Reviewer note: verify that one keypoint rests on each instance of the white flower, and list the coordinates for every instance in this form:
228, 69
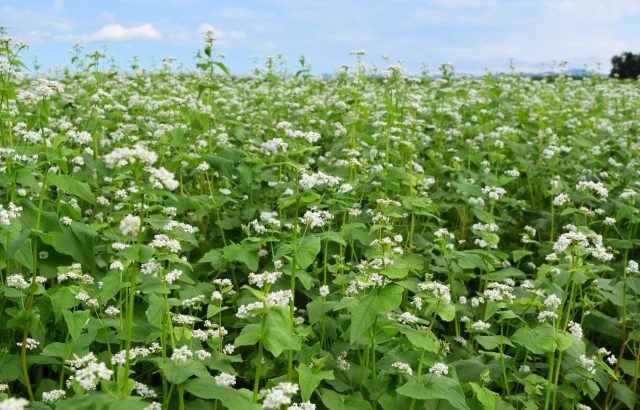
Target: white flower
279, 298
225, 379
315, 218
245, 311
308, 181
498, 292
552, 301
480, 325
494, 192
53, 395
181, 354
112, 311
441, 293
163, 241
439, 369
13, 403
546, 314
309, 136
588, 363
575, 329
597, 187
203, 354
120, 157
279, 395
203, 167
632, 267
561, 199
184, 319
274, 146
18, 281
324, 291
344, 188
160, 177
628, 194
130, 224
89, 376
145, 391
259, 280
7, 216
402, 367
32, 344
307, 405
407, 318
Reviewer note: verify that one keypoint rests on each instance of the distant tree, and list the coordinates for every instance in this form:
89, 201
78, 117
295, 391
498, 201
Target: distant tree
626, 65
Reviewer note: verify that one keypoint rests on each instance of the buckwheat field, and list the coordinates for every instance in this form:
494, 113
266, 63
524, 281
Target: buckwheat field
190, 239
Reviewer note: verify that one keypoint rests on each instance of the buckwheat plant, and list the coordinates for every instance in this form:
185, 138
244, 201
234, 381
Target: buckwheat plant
177, 239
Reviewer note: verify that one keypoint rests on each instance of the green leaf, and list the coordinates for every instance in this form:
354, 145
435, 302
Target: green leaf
519, 254
447, 312
178, 373
101, 401
223, 67
10, 367
434, 387
335, 401
278, 336
20, 250
365, 313
310, 379
62, 299
317, 309
249, 335
538, 340
423, 339
214, 257
491, 342
468, 260
485, 396
77, 241
75, 321
246, 253
564, 341
308, 249
156, 310
55, 349
624, 394
111, 285
205, 387
72, 186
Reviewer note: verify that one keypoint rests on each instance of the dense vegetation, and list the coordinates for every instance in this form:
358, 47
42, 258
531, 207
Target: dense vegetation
626, 65
369, 241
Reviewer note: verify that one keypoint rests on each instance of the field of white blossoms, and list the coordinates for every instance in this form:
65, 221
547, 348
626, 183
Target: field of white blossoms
178, 239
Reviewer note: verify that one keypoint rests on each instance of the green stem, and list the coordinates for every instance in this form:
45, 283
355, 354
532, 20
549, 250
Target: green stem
32, 289
256, 381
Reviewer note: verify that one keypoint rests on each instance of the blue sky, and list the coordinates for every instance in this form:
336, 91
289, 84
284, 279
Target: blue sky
474, 35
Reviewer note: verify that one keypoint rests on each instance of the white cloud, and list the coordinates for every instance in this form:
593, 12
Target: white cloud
58, 5
117, 32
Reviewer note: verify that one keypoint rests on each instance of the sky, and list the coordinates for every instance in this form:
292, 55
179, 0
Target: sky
474, 35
